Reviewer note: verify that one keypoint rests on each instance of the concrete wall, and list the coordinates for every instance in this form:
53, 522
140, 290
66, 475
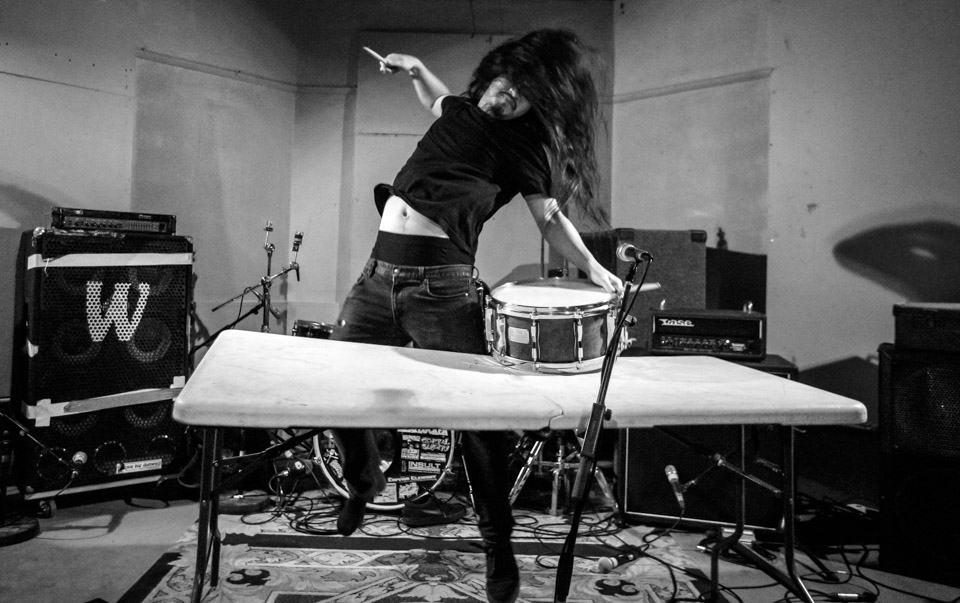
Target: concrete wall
226, 113
824, 134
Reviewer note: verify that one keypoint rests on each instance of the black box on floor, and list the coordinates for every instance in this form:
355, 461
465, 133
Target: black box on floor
646, 495
919, 463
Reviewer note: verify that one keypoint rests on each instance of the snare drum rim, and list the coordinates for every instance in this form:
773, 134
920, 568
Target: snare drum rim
301, 326
312, 323
535, 366
547, 312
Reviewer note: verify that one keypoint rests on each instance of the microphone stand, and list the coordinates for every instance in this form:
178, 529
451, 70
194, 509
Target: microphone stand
240, 502
16, 527
588, 450
264, 297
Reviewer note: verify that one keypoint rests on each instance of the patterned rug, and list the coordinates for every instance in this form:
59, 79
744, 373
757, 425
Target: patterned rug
294, 556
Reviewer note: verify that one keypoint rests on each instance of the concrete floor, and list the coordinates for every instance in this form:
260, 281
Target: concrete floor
94, 550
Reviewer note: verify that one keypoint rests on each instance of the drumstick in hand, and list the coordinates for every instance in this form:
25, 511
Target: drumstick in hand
385, 67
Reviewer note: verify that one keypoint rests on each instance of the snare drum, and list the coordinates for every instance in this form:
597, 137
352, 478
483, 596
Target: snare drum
551, 324
316, 330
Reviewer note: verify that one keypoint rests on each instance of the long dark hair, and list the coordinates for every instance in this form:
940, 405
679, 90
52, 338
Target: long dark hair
553, 70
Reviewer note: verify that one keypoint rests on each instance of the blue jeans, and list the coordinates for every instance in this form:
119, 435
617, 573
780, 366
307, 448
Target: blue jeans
436, 308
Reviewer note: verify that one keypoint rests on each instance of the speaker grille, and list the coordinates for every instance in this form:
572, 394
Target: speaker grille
99, 314
920, 461
920, 403
130, 443
103, 329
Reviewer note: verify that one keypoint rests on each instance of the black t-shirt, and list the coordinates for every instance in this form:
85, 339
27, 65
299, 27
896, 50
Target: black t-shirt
468, 165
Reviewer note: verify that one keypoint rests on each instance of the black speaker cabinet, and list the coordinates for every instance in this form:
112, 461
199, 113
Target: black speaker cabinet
711, 490
100, 351
679, 265
920, 464
736, 280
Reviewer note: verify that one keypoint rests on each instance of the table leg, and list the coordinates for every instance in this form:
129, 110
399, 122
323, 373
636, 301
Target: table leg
207, 524
790, 514
215, 535
211, 484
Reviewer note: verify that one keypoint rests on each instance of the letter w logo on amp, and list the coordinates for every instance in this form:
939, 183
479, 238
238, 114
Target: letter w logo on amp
116, 312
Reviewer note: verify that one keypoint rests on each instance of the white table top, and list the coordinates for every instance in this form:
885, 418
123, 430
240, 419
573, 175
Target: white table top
250, 379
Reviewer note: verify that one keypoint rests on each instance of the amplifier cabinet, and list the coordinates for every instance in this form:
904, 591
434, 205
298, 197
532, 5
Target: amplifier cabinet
69, 218
722, 333
711, 491
919, 463
100, 352
927, 327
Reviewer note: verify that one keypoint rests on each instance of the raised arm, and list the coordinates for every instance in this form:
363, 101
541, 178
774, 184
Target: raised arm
563, 236
428, 86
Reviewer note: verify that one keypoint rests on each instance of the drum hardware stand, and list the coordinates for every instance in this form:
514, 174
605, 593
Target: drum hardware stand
559, 467
241, 501
598, 415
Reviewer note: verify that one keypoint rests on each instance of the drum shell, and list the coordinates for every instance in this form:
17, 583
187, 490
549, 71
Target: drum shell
559, 336
567, 338
314, 330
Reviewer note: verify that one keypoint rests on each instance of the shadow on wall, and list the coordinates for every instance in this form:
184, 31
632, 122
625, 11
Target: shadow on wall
919, 260
856, 378
20, 210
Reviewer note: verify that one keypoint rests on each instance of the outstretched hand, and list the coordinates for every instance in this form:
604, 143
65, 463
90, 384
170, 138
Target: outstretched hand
396, 62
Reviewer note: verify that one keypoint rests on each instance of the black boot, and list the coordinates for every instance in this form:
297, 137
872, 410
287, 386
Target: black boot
351, 515
503, 575
427, 510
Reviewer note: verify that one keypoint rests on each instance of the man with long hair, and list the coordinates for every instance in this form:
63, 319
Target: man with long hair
525, 127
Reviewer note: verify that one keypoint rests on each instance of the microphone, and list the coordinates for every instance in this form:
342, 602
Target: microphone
864, 596
78, 459
629, 253
297, 240
606, 564
674, 480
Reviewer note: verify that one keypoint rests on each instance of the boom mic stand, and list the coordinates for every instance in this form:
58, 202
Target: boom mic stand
598, 415
720, 460
240, 502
